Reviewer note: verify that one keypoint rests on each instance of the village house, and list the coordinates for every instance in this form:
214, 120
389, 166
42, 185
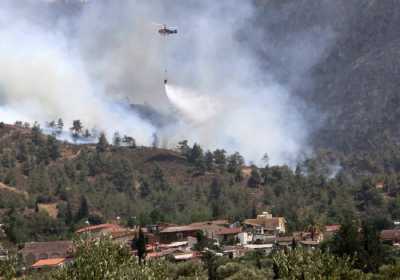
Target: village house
264, 248
391, 236
265, 224
313, 234
35, 251
177, 233
156, 228
331, 230
175, 251
283, 242
180, 233
234, 251
228, 235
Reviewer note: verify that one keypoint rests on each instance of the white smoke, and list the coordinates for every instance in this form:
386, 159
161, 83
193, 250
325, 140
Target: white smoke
43, 78
83, 64
241, 123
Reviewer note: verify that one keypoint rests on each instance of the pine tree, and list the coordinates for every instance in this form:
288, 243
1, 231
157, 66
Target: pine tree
215, 190
235, 162
83, 211
36, 134
183, 148
209, 160
156, 141
68, 215
196, 154
255, 178
117, 139
76, 129
220, 159
60, 126
53, 147
139, 244
87, 134
102, 145
129, 141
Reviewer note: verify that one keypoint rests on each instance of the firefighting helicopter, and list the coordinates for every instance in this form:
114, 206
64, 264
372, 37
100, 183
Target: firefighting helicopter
166, 32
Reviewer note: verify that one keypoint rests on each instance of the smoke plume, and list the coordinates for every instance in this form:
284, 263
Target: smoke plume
89, 60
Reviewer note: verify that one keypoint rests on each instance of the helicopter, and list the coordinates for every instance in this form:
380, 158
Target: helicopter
165, 31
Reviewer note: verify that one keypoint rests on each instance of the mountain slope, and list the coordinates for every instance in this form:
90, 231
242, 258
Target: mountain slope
353, 85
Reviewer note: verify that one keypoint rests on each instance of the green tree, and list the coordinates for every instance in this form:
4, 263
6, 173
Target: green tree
102, 259
144, 188
183, 148
122, 175
36, 134
158, 179
117, 139
76, 129
156, 141
53, 147
196, 155
83, 211
16, 227
302, 264
60, 126
374, 254
255, 178
8, 268
201, 241
139, 244
210, 262
220, 158
215, 190
129, 141
209, 161
235, 162
87, 134
102, 144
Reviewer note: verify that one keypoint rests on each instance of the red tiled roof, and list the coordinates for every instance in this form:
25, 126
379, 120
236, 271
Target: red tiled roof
390, 235
332, 228
48, 262
208, 226
180, 229
270, 223
110, 227
227, 231
214, 223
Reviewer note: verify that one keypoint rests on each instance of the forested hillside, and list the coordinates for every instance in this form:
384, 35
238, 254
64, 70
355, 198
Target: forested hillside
48, 188
348, 93
353, 85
